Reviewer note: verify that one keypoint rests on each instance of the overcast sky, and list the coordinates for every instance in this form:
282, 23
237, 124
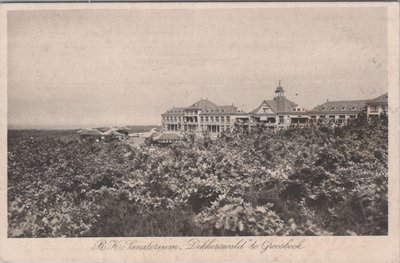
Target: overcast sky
126, 67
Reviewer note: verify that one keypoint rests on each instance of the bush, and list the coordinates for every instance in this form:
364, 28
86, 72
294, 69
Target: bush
311, 181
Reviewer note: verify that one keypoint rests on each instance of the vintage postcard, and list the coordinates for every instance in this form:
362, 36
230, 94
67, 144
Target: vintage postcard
199, 132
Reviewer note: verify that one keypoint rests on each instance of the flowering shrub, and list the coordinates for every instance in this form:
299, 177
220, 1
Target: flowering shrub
311, 181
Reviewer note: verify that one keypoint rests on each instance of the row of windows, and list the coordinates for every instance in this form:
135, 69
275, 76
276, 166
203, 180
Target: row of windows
202, 118
227, 118
203, 127
221, 110
340, 108
216, 118
194, 112
375, 108
191, 112
172, 118
313, 117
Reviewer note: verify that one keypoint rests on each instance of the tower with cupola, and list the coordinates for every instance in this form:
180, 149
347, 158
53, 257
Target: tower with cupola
279, 92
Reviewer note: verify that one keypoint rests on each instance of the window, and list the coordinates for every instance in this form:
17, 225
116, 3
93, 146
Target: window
206, 118
228, 118
265, 109
201, 118
217, 119
281, 119
374, 109
211, 118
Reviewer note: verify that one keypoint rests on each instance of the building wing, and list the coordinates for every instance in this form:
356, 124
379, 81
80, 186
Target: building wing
340, 107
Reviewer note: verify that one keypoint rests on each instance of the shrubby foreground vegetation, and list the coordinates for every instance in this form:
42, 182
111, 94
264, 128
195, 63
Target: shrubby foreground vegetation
311, 181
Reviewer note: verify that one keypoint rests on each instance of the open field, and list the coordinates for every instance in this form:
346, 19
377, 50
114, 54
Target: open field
312, 181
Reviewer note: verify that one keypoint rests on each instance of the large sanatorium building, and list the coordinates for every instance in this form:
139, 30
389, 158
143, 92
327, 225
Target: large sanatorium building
278, 113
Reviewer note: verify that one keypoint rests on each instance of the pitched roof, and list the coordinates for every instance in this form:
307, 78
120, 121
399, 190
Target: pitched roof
203, 104
112, 131
383, 99
175, 111
342, 106
151, 134
206, 107
91, 132
278, 105
123, 128
221, 110
167, 136
103, 129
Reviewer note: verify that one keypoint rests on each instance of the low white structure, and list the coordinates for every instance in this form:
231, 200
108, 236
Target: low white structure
377, 106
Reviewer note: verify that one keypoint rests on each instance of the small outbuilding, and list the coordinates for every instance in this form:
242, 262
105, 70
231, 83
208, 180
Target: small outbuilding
124, 130
166, 138
112, 134
91, 135
149, 136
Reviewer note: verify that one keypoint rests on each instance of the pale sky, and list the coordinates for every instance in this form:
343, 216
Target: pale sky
69, 69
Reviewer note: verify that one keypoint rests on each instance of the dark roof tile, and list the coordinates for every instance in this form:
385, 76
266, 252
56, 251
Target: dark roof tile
381, 100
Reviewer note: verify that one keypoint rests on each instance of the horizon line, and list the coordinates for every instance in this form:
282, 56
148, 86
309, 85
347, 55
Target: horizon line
61, 127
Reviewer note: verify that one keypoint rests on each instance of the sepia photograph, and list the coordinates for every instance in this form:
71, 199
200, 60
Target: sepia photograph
198, 122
